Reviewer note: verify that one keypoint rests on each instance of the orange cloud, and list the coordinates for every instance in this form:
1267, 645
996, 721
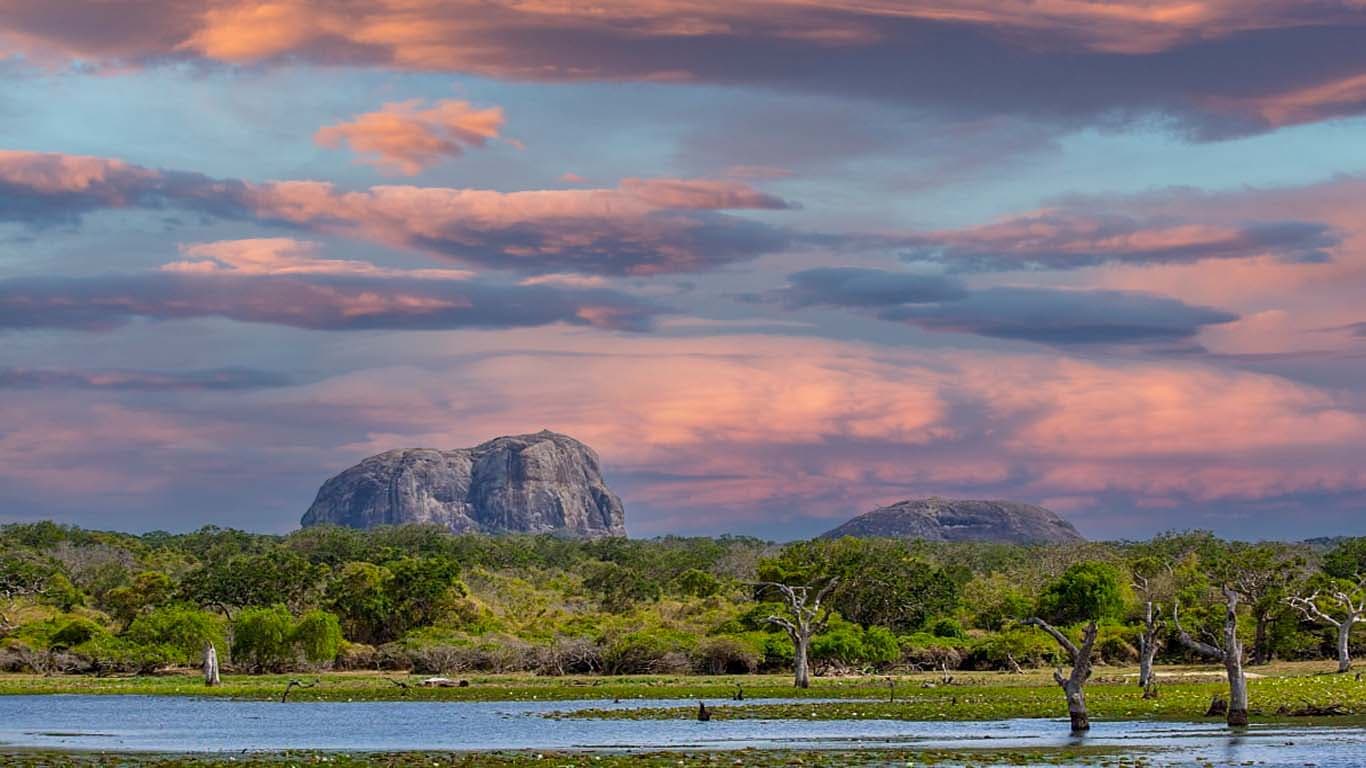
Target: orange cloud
825, 428
406, 138
287, 256
641, 227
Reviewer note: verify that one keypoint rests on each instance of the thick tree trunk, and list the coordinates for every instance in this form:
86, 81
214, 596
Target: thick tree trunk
1233, 663
1345, 646
211, 666
1237, 691
800, 665
1076, 706
1147, 648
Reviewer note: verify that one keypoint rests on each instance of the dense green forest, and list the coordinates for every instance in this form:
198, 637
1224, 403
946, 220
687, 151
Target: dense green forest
418, 598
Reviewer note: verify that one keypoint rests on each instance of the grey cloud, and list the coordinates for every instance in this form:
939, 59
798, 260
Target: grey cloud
317, 303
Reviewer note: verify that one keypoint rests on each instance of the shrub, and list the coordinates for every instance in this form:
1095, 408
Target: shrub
696, 583
317, 635
107, 654
645, 652
261, 638
727, 655
1027, 647
925, 651
778, 651
880, 647
74, 632
570, 656
184, 630
356, 656
841, 646
947, 627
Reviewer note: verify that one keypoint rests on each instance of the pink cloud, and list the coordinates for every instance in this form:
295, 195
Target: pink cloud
640, 227
1019, 56
287, 256
404, 137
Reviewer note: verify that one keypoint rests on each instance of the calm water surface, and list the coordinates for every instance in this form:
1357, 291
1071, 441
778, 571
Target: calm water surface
149, 723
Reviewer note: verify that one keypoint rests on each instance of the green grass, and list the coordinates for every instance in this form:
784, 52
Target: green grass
1110, 696
1110, 757
371, 686
973, 696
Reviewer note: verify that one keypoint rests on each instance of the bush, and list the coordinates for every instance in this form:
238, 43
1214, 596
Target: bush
925, 651
261, 638
1117, 644
841, 646
880, 647
317, 635
570, 656
74, 632
696, 583
727, 655
1027, 647
948, 628
646, 652
116, 655
356, 656
778, 652
184, 630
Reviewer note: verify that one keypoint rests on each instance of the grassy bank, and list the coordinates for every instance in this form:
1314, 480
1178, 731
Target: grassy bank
1277, 692
1079, 755
371, 686
1112, 694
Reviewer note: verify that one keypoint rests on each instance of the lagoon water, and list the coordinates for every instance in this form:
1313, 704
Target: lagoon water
175, 724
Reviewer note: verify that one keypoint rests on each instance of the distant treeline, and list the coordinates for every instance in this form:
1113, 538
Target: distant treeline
419, 598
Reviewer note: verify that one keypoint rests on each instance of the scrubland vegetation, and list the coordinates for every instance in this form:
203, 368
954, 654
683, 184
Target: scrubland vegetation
420, 600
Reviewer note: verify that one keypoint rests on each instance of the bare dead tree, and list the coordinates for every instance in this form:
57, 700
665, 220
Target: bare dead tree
806, 617
1229, 652
1074, 684
1148, 642
1351, 606
211, 666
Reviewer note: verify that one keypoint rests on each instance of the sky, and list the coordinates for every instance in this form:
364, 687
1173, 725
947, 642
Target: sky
777, 261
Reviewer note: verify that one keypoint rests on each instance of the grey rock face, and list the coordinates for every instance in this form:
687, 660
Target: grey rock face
960, 520
541, 483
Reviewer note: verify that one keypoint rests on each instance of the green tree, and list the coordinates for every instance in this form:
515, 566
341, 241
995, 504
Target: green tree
182, 628
261, 638
318, 636
619, 589
1086, 591
360, 596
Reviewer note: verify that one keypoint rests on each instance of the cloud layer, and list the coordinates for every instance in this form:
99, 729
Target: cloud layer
1049, 316
406, 137
1219, 66
641, 227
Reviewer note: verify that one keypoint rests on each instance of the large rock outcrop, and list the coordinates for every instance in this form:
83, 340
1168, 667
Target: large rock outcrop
960, 520
541, 483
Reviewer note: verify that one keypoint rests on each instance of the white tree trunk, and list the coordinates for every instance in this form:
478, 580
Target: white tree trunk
801, 666
1147, 647
211, 666
1345, 645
